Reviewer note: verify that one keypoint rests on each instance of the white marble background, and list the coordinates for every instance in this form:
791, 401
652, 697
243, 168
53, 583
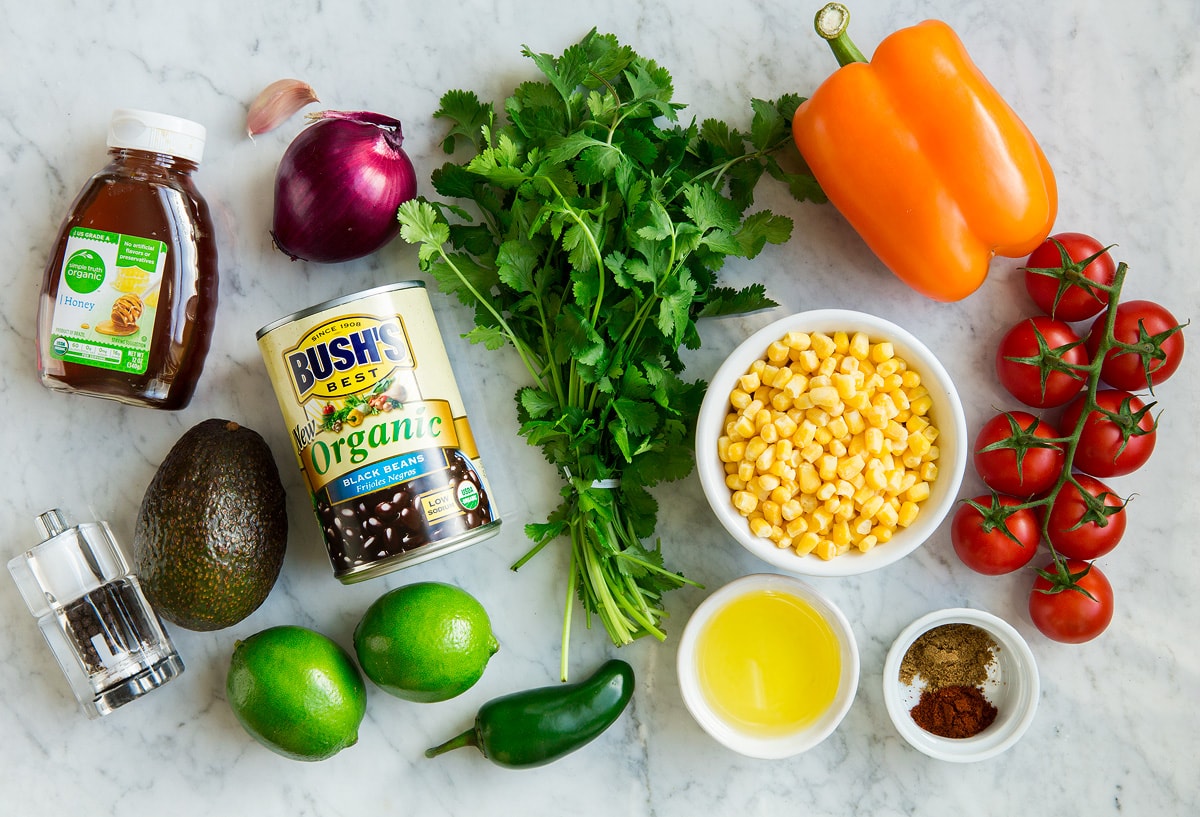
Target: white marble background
1113, 93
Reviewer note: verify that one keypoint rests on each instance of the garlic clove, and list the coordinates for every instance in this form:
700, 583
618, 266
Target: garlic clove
276, 103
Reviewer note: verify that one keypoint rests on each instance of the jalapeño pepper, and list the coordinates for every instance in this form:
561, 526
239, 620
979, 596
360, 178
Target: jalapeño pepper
537, 726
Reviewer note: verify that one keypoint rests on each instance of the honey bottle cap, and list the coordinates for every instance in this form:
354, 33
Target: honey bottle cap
133, 129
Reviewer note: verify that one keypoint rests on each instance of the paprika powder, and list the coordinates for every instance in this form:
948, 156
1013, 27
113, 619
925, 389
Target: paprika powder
922, 156
954, 711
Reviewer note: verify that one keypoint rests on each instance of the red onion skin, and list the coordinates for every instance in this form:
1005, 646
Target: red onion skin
338, 186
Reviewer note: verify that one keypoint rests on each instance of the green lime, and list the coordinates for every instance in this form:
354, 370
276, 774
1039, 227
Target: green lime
296, 692
425, 642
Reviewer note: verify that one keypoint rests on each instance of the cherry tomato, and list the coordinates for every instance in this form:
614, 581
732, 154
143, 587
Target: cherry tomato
1108, 446
980, 541
1074, 526
1068, 615
1012, 455
1075, 302
1149, 326
1053, 347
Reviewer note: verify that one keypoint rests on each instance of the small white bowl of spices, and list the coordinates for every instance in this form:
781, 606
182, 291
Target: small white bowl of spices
960, 685
831, 443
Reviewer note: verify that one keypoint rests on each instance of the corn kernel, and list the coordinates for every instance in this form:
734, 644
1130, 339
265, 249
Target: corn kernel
765, 459
928, 471
746, 470
749, 382
822, 344
866, 543
777, 352
771, 512
760, 528
807, 543
827, 490
908, 514
808, 360
808, 478
786, 426
920, 406
872, 506
796, 527
919, 492
827, 466
764, 482
790, 510
768, 433
825, 549
840, 534
887, 367
851, 466
744, 427
895, 431
819, 417
820, 519
916, 425
797, 340
745, 502
887, 516
737, 451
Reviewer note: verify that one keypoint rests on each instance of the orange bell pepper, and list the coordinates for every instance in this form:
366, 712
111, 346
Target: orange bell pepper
924, 158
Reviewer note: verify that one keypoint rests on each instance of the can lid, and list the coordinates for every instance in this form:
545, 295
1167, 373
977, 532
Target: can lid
132, 129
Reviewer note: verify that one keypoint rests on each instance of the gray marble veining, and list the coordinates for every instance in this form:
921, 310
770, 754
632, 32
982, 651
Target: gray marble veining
1115, 103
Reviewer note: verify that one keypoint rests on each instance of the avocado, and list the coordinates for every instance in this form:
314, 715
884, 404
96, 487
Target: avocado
212, 529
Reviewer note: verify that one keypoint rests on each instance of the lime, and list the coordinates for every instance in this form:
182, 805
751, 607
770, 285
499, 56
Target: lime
296, 692
425, 642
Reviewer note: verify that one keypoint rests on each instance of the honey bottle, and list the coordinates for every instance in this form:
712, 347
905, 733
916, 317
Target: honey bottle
129, 295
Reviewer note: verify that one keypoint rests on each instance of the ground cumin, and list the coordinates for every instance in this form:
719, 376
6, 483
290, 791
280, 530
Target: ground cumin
951, 664
949, 655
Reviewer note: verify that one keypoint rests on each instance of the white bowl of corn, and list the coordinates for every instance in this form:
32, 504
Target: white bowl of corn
831, 443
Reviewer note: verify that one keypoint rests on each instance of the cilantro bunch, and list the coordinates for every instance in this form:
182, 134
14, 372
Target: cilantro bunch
596, 225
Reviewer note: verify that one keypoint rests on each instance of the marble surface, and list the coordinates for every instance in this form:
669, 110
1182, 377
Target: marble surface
1116, 105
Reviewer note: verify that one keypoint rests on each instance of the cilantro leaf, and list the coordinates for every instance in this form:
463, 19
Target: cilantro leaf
586, 229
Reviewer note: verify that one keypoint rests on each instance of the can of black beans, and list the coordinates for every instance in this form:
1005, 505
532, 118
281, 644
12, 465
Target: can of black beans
379, 430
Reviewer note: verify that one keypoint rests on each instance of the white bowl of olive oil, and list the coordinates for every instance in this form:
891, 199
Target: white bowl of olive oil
768, 666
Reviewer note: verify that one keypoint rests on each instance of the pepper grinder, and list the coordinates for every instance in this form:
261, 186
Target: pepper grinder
109, 642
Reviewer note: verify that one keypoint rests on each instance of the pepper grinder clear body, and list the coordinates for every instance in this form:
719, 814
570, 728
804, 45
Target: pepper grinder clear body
109, 642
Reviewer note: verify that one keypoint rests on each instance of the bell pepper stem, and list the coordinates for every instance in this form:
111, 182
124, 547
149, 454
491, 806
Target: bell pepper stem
467, 738
831, 23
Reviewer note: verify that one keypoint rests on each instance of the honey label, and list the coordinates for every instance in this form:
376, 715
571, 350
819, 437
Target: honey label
107, 300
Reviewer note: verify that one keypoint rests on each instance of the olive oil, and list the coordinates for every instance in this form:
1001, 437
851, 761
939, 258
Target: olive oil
768, 663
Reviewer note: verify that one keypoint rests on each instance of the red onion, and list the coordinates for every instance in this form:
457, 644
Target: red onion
338, 186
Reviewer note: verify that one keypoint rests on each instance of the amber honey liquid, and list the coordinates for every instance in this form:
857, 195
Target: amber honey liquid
768, 663
152, 197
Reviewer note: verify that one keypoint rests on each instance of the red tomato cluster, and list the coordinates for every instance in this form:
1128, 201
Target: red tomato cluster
1046, 363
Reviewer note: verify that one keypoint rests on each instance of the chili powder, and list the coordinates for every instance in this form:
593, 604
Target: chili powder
954, 711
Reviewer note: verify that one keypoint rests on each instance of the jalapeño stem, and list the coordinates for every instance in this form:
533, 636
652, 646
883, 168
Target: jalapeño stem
831, 23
